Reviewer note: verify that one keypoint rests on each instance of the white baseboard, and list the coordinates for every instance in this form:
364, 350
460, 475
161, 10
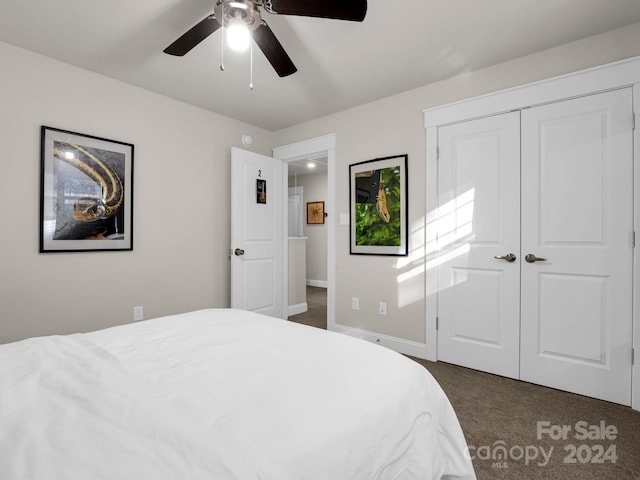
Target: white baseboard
298, 308
400, 345
317, 283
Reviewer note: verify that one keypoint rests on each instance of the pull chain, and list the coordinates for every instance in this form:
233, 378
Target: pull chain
251, 59
222, 42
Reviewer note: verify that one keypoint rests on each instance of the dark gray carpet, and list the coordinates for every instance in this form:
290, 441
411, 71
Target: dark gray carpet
500, 416
316, 315
496, 411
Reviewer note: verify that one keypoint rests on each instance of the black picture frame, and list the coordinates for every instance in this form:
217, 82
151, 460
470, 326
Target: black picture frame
86, 192
261, 191
315, 213
379, 214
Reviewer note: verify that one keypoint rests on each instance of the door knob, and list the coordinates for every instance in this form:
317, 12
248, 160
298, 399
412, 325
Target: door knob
530, 258
509, 257
238, 251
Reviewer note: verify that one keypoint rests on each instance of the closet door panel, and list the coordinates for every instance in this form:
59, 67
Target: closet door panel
577, 221
478, 220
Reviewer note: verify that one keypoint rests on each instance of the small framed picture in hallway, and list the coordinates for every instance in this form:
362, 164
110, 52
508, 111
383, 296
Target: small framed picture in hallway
315, 213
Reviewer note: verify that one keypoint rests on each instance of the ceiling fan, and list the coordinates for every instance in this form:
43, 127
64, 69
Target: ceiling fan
246, 14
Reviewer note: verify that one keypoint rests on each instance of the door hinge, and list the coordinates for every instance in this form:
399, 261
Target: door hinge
633, 239
633, 356
437, 323
437, 153
633, 121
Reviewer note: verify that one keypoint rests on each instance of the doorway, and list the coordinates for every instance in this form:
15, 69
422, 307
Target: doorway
308, 186
320, 150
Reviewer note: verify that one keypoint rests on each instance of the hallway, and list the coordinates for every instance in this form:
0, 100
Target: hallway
316, 315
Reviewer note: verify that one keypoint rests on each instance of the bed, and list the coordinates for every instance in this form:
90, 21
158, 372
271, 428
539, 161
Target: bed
221, 394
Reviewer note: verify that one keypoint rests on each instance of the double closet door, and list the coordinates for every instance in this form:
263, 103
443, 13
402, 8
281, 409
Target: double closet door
535, 242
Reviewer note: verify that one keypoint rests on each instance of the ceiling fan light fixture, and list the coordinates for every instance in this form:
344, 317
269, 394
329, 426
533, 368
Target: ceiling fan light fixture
238, 35
248, 12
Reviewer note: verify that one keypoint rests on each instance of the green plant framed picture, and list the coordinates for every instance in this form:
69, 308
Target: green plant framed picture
378, 206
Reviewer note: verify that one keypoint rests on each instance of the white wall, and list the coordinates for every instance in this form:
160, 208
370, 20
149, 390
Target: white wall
315, 190
181, 201
297, 275
181, 192
393, 126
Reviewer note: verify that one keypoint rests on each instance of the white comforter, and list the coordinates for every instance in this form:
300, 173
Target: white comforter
221, 394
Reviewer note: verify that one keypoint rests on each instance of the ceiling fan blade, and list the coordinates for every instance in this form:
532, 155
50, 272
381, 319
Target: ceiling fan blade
193, 37
273, 50
353, 10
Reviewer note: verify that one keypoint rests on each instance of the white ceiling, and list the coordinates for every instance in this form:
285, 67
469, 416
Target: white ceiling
300, 168
400, 45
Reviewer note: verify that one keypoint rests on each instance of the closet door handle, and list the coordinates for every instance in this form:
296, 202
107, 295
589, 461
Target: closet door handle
530, 258
238, 252
509, 257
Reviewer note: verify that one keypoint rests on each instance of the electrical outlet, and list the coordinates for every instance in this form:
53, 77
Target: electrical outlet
138, 313
355, 303
382, 308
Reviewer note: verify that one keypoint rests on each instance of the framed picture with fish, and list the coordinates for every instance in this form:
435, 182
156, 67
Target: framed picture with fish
86, 192
378, 206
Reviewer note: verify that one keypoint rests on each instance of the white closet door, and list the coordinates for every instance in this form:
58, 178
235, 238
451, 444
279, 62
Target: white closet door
577, 187
479, 220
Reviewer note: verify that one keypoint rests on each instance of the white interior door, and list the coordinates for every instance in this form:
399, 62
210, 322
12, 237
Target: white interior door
258, 204
479, 220
577, 190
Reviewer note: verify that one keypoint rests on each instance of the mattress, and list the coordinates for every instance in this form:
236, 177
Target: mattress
221, 394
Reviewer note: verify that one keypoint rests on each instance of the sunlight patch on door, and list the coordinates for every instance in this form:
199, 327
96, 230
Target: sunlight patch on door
449, 233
